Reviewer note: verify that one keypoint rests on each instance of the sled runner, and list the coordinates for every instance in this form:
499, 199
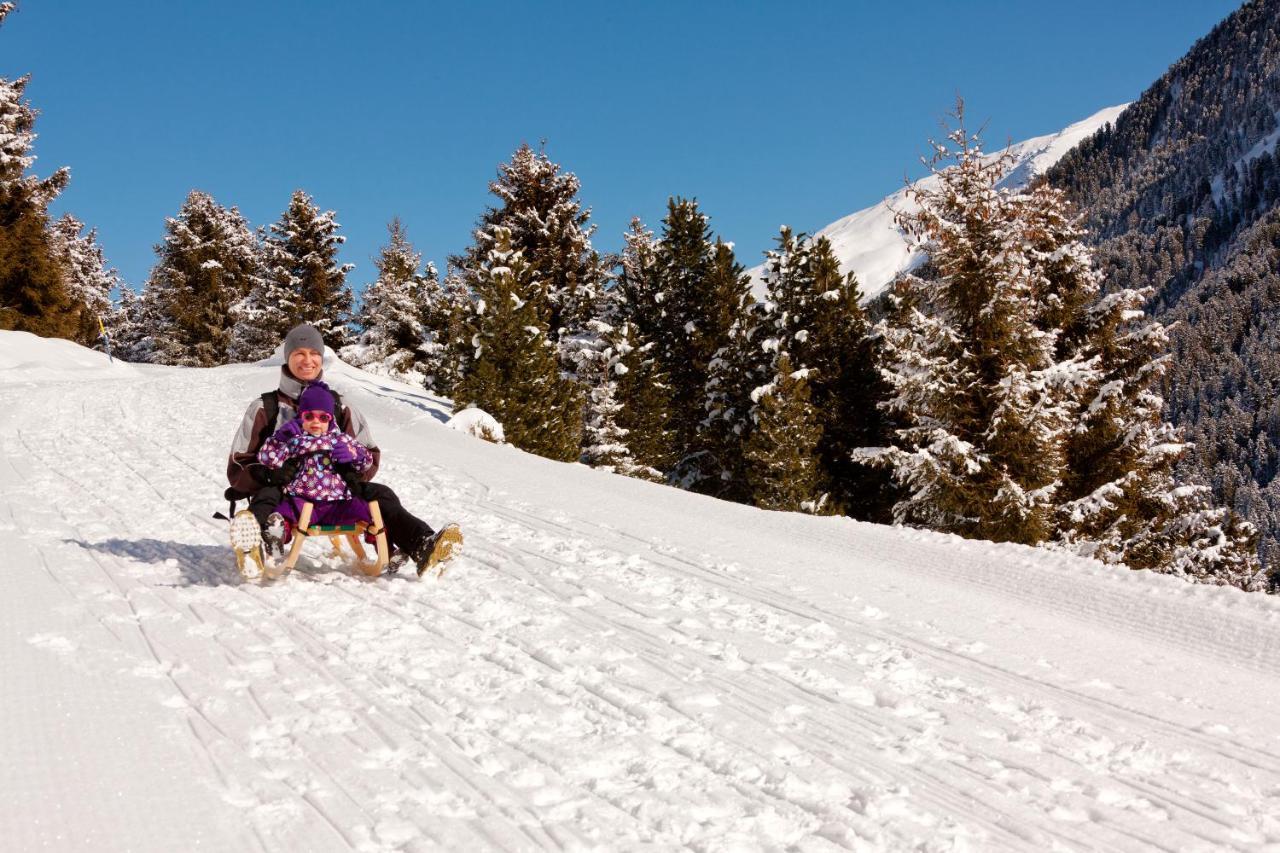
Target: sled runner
246, 542
352, 533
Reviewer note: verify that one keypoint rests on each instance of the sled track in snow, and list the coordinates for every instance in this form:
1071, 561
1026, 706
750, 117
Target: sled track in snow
580, 684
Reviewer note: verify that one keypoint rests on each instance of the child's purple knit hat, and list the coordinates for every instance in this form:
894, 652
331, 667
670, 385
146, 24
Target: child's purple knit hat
316, 397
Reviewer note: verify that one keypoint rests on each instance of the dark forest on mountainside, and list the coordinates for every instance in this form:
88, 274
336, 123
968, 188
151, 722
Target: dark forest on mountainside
1181, 194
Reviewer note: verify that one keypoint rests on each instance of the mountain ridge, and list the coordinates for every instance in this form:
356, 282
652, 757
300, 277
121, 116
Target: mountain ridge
869, 244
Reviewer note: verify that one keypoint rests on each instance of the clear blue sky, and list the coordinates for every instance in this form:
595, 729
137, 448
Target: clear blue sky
768, 113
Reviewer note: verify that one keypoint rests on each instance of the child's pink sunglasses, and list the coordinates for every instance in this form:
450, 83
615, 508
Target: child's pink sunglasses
322, 417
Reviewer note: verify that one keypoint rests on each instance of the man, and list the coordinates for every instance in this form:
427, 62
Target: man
304, 354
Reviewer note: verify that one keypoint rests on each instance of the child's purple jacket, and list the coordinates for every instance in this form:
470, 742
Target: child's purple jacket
316, 479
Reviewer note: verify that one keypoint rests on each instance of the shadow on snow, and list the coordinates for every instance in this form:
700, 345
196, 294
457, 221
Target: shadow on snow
203, 565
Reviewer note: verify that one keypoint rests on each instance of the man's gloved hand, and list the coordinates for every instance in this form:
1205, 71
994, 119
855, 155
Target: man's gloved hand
290, 429
342, 453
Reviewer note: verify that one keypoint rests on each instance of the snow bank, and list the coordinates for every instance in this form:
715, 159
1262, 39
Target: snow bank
26, 358
479, 423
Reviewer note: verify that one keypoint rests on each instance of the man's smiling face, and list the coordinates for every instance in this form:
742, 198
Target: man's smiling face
305, 364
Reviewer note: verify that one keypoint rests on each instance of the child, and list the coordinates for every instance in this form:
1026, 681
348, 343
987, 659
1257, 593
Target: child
314, 438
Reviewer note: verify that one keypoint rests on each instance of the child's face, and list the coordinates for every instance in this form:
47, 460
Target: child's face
316, 423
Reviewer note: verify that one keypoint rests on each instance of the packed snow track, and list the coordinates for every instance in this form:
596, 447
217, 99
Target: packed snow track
610, 664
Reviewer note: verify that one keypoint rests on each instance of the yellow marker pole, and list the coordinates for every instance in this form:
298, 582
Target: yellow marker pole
106, 339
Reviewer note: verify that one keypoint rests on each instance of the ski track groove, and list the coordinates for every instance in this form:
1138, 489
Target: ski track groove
987, 670
1173, 800
193, 705
939, 796
386, 713
316, 666
491, 736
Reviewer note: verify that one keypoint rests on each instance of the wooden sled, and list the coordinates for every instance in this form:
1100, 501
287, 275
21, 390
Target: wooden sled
353, 535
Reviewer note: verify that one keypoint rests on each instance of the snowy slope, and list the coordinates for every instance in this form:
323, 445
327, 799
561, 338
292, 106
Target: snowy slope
610, 665
870, 244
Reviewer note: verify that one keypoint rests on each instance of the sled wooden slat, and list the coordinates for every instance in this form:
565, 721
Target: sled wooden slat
381, 538
336, 533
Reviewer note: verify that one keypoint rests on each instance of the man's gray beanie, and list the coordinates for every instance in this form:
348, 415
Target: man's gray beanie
303, 336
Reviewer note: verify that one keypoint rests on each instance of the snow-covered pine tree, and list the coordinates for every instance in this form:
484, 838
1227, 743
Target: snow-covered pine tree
133, 326
642, 387
745, 364
644, 393
207, 262
34, 293
448, 348
728, 305
600, 369
603, 441
514, 372
300, 256
636, 285
847, 389
89, 279
1119, 500
539, 205
815, 314
393, 335
1195, 540
262, 316
699, 291
625, 396
782, 450
974, 379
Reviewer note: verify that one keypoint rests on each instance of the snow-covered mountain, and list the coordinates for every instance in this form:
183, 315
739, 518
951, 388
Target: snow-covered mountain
869, 243
610, 665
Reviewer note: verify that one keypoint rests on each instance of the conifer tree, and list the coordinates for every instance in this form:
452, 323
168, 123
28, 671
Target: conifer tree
603, 441
635, 293
133, 327
448, 346
394, 336
815, 314
300, 255
34, 293
539, 206
700, 291
207, 262
738, 371
1119, 500
643, 391
514, 373
261, 317
643, 387
783, 470
89, 280
973, 377
1070, 442
626, 397
606, 443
